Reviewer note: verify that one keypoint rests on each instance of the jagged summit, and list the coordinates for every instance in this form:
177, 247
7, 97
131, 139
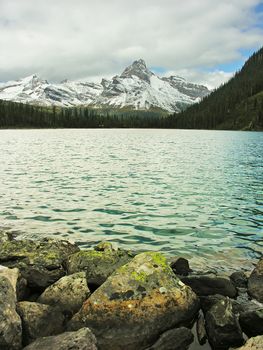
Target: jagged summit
136, 88
139, 69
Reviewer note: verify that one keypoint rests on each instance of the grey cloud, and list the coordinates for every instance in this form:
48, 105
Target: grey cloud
77, 39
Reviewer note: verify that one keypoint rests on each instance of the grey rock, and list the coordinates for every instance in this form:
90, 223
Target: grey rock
18, 283
137, 303
10, 322
239, 279
39, 320
222, 327
174, 339
83, 339
255, 282
68, 293
210, 284
200, 329
40, 262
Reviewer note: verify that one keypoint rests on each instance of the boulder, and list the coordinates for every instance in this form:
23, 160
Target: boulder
222, 327
39, 320
253, 344
209, 301
180, 266
68, 293
174, 339
83, 339
99, 263
255, 282
18, 283
251, 322
239, 279
210, 284
137, 303
40, 262
10, 322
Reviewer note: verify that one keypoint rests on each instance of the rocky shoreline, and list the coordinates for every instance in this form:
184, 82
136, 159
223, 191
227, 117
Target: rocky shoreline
55, 296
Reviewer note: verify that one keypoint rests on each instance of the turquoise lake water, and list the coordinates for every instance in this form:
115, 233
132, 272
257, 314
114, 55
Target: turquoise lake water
194, 193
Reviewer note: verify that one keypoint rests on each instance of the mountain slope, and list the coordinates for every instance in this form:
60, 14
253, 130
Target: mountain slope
136, 88
237, 105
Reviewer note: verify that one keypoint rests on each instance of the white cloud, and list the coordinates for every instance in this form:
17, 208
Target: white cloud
84, 38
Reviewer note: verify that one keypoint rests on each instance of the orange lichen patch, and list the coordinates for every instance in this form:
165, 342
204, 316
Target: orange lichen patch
150, 306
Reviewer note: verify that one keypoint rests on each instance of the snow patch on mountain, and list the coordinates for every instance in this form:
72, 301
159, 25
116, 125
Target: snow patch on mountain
137, 88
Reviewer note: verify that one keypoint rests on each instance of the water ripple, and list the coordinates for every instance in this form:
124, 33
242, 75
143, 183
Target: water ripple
194, 193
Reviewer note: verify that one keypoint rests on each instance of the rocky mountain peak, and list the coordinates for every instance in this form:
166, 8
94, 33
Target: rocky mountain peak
137, 68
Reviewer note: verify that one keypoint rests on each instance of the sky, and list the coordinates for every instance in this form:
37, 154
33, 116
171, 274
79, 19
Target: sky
204, 41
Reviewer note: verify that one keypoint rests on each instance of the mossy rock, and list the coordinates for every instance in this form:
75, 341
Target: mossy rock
136, 304
40, 262
99, 263
68, 293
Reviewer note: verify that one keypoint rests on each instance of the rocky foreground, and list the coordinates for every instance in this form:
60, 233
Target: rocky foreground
55, 296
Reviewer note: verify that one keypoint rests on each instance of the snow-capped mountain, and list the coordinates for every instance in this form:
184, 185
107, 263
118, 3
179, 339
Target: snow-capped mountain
137, 88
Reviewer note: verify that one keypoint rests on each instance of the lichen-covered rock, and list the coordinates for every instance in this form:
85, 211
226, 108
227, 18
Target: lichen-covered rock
253, 344
68, 293
174, 339
251, 322
10, 322
99, 263
40, 262
222, 327
83, 339
255, 282
39, 320
210, 284
18, 283
136, 304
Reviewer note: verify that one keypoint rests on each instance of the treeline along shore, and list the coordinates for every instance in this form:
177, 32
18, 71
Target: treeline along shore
236, 105
55, 296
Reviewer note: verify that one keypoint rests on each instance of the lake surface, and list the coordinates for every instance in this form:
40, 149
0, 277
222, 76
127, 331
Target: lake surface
194, 193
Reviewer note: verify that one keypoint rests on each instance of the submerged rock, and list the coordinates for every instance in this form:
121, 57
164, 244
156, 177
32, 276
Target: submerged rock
68, 293
83, 339
255, 282
40, 262
136, 304
99, 263
10, 322
174, 339
253, 344
222, 327
39, 320
210, 284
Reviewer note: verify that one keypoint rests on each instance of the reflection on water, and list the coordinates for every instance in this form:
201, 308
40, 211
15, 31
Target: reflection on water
194, 193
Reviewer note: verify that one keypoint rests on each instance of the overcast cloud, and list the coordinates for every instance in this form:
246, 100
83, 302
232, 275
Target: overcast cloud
79, 39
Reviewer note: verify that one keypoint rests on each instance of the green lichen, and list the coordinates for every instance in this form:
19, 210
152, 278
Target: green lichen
139, 276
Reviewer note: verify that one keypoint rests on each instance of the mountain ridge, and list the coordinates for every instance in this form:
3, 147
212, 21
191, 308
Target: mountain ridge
235, 105
136, 87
